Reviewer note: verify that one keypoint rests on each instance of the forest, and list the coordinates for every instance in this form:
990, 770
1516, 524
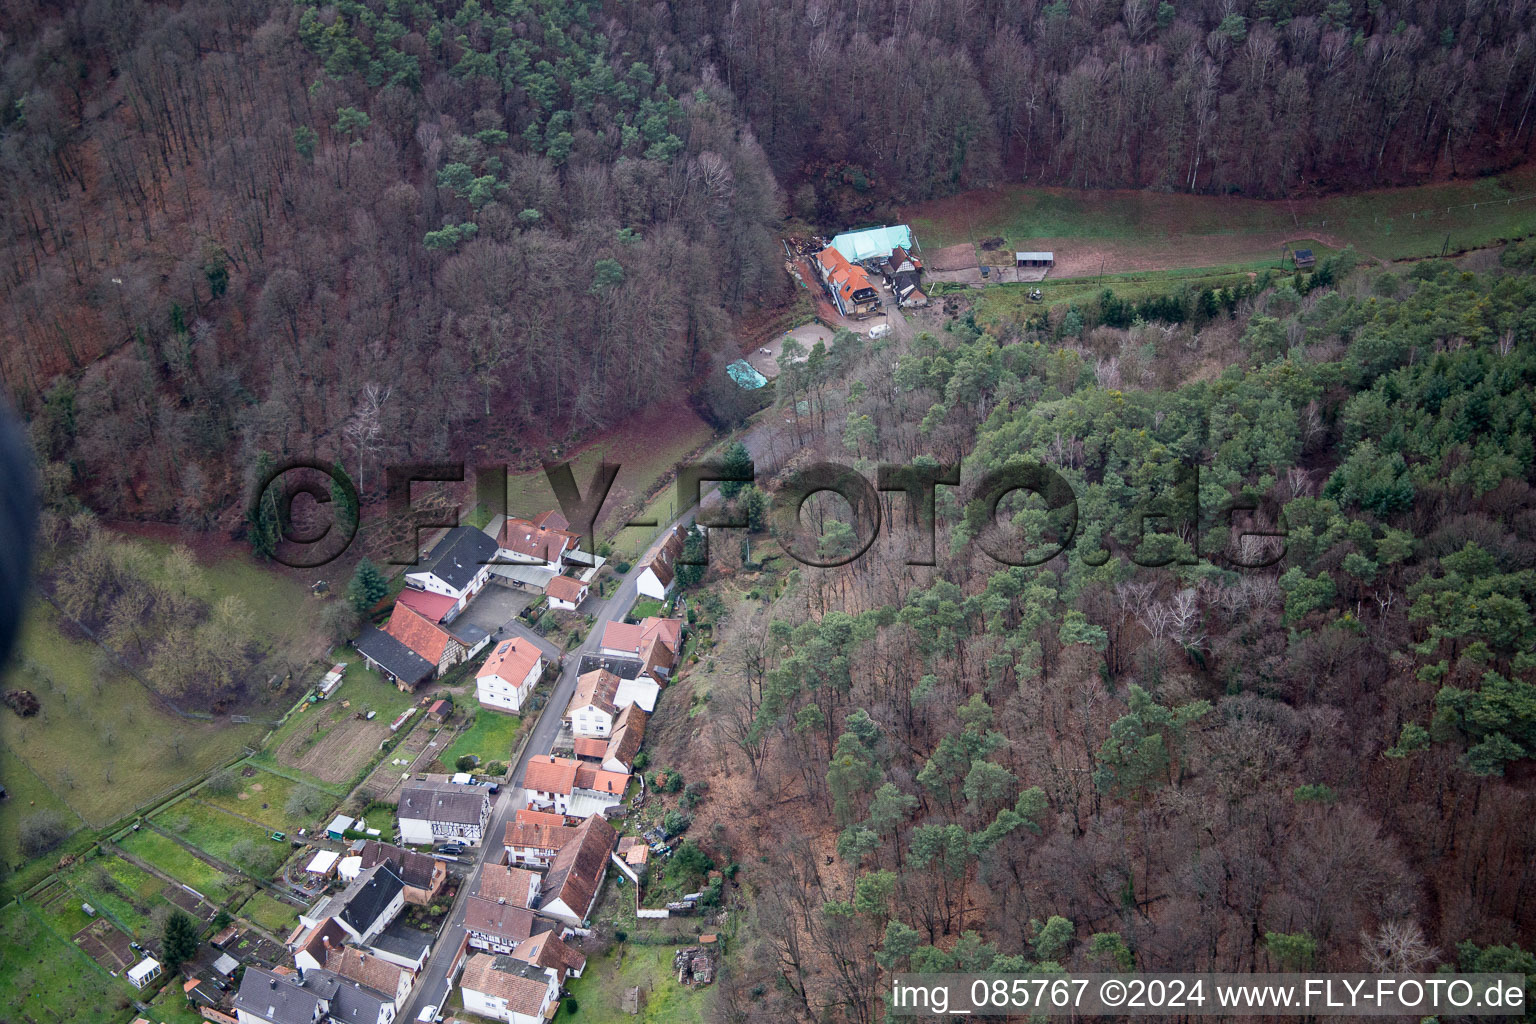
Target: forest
372, 230
1164, 759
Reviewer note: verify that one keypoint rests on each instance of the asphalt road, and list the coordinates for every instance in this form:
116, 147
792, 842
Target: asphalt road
432, 984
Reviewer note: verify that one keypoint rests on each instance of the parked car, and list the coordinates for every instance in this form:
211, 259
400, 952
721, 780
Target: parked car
452, 849
493, 788
428, 1013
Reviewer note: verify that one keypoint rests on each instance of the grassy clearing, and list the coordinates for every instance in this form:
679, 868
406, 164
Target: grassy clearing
646, 449
491, 736
104, 748
164, 853
27, 794
270, 913
171, 1007
277, 604
263, 796
1385, 223
1011, 301
209, 829
645, 607
45, 979
601, 987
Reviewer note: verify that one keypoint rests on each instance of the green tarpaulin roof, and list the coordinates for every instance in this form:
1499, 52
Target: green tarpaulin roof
745, 376
861, 245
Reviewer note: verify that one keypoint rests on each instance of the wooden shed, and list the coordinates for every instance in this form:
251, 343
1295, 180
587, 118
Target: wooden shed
1034, 259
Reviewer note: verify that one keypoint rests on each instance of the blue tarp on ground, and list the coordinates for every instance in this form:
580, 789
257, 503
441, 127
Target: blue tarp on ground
861, 245
745, 375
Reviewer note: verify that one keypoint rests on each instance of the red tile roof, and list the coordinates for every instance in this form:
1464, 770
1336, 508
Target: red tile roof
536, 541
538, 836
549, 774
591, 746
628, 733
595, 689
529, 816
600, 781
433, 606
512, 660
503, 920
661, 558
578, 869
552, 519
419, 633
523, 995
566, 588
500, 882
547, 950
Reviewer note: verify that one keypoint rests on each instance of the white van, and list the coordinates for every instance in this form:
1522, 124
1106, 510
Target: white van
879, 331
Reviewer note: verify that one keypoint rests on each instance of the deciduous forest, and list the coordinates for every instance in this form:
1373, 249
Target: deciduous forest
378, 229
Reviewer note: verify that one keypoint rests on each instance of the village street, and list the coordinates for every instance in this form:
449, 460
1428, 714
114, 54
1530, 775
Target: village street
762, 440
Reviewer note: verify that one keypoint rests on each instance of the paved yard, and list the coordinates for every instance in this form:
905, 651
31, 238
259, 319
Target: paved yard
496, 606
765, 358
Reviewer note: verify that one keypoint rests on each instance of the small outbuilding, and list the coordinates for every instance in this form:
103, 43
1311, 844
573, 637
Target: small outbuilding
323, 863
144, 972
1034, 259
338, 827
1304, 259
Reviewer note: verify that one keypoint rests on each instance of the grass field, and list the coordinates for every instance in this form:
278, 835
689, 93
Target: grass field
45, 979
171, 1007
209, 829
271, 913
165, 854
645, 607
646, 448
1142, 230
263, 796
104, 749
123, 891
491, 736
278, 606
602, 985
27, 795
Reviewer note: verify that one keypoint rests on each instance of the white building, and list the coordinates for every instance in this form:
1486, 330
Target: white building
508, 989
144, 972
509, 675
659, 566
458, 567
440, 812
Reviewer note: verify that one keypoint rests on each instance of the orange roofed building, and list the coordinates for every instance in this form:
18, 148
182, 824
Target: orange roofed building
848, 284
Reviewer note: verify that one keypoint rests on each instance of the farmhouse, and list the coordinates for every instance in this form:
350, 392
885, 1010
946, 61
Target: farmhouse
653, 641
848, 285
571, 887
499, 927
534, 837
658, 568
423, 875
903, 273
434, 644
636, 685
392, 659
509, 675
565, 593
436, 812
628, 733
458, 566
503, 988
